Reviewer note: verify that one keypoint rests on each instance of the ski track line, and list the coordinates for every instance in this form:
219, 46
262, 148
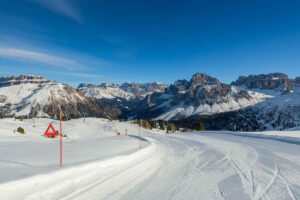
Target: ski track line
227, 157
133, 167
286, 184
18, 163
260, 193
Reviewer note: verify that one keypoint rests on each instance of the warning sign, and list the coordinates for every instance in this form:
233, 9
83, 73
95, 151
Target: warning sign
50, 131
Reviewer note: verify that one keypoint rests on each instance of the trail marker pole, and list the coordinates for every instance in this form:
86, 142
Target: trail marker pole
60, 129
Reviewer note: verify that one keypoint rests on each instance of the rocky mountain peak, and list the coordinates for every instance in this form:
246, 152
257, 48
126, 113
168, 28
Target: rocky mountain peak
200, 79
16, 80
272, 81
142, 89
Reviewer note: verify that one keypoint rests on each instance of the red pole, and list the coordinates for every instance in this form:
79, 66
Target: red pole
60, 128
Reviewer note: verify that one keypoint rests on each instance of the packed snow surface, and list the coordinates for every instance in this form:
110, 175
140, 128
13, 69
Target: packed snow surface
100, 165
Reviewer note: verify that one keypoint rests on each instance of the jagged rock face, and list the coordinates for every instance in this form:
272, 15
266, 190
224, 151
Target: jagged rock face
200, 79
203, 94
104, 91
15, 80
46, 100
273, 81
141, 90
126, 90
121, 100
181, 85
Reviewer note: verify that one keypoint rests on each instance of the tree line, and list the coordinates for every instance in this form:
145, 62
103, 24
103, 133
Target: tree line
168, 127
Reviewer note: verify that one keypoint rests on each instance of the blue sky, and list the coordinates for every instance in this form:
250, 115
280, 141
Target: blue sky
148, 40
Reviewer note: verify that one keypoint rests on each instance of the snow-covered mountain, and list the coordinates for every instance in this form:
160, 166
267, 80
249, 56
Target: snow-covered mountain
43, 98
202, 95
122, 98
281, 110
276, 82
126, 91
256, 102
15, 80
104, 91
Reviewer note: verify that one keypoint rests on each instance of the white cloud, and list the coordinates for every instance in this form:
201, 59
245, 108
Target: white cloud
63, 7
39, 57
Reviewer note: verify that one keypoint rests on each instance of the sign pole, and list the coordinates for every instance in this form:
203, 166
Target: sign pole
60, 129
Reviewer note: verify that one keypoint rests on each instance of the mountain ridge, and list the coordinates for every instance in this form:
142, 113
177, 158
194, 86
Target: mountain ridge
257, 101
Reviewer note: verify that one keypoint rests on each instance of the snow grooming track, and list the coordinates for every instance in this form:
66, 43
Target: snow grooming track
107, 179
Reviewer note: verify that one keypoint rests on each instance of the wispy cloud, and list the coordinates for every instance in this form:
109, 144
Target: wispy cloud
39, 57
62, 7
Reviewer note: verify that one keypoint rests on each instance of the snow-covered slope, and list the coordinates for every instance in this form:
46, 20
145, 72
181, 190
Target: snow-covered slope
279, 112
282, 111
100, 165
45, 100
224, 104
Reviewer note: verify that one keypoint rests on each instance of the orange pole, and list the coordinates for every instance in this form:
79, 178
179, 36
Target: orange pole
60, 127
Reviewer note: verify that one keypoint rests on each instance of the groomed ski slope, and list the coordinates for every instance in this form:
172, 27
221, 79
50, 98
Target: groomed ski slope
206, 165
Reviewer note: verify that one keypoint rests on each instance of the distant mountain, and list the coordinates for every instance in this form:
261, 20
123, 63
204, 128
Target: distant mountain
126, 90
141, 90
255, 102
29, 96
277, 82
104, 91
278, 112
123, 98
202, 95
16, 80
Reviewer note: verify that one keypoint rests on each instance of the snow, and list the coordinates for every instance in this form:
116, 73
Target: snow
108, 92
229, 104
31, 153
25, 96
100, 165
224, 104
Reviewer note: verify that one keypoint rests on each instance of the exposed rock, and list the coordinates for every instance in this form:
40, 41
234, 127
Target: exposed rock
141, 90
202, 95
46, 100
15, 80
273, 81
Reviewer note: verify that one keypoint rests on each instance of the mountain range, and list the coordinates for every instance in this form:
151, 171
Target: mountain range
255, 102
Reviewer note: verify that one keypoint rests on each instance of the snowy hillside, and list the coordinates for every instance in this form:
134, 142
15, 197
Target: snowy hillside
202, 95
224, 104
280, 112
45, 100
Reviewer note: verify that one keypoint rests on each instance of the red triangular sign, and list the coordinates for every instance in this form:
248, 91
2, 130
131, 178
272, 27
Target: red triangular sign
50, 131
